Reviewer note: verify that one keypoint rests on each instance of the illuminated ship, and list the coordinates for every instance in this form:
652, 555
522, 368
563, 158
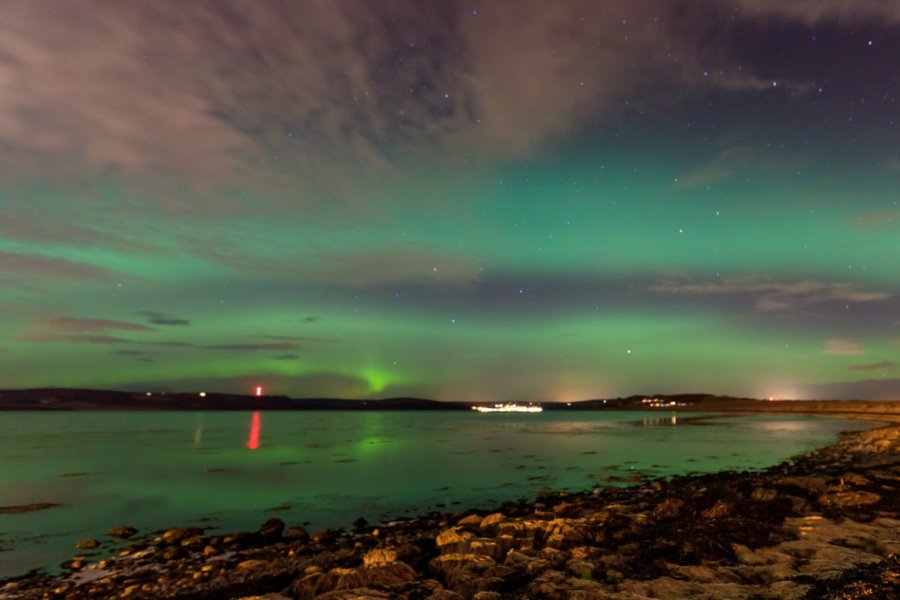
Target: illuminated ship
508, 407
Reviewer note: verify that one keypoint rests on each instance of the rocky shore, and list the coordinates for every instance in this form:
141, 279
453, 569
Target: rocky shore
822, 525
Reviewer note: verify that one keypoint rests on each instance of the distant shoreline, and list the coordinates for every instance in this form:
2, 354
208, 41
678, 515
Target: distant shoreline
64, 399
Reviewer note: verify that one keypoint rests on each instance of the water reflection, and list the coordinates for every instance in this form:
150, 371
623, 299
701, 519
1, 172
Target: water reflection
253, 440
656, 421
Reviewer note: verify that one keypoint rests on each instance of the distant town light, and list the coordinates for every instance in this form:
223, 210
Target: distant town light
203, 394
258, 391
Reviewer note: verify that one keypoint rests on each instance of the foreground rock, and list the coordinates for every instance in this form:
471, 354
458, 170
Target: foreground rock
825, 525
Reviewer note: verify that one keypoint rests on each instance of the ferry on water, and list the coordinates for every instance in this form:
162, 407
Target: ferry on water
508, 407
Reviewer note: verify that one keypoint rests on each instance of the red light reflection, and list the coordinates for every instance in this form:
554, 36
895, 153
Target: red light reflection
253, 440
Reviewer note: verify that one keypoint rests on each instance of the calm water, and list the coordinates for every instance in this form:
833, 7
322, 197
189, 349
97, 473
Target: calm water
231, 471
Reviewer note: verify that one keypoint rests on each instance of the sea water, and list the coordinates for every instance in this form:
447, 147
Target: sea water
230, 471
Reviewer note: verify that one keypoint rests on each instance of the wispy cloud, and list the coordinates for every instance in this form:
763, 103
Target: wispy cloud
77, 330
162, 319
80, 325
255, 347
14, 266
76, 338
837, 347
814, 11
770, 294
883, 365
259, 86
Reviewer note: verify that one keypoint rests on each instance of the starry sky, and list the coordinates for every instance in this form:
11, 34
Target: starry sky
461, 200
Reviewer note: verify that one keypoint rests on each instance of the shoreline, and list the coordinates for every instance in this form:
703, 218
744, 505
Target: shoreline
789, 531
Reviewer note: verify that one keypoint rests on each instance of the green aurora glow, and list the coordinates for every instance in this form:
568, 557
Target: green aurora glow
647, 234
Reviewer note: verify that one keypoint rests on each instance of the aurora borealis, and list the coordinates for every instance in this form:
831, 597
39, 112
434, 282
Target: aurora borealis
458, 200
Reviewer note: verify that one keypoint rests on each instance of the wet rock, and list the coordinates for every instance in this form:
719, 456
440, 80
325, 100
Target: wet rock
843, 498
297, 533
486, 595
123, 531
88, 544
453, 540
379, 556
355, 594
177, 534
809, 483
25, 508
271, 530
668, 509
491, 521
580, 568
445, 595
762, 494
874, 581
719, 510
470, 521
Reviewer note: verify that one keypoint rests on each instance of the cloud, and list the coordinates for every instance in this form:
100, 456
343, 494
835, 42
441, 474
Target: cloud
870, 389
295, 338
885, 364
174, 344
287, 96
77, 338
363, 269
83, 331
770, 294
162, 319
837, 347
255, 347
876, 220
81, 325
14, 266
815, 11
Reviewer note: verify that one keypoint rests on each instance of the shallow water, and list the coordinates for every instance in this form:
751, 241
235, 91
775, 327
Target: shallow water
231, 471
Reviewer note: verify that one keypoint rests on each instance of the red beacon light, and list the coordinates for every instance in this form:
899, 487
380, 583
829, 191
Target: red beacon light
258, 391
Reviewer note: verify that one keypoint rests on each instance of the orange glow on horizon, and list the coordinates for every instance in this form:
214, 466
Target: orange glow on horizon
253, 440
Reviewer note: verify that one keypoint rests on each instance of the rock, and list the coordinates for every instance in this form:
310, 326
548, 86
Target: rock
470, 521
271, 530
486, 595
762, 494
123, 531
486, 547
389, 576
810, 483
492, 520
718, 510
360, 523
252, 564
580, 568
88, 544
355, 594
177, 534
453, 540
297, 533
379, 556
445, 595
847, 498
194, 541
668, 509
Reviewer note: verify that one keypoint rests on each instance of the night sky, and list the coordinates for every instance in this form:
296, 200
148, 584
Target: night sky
458, 200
